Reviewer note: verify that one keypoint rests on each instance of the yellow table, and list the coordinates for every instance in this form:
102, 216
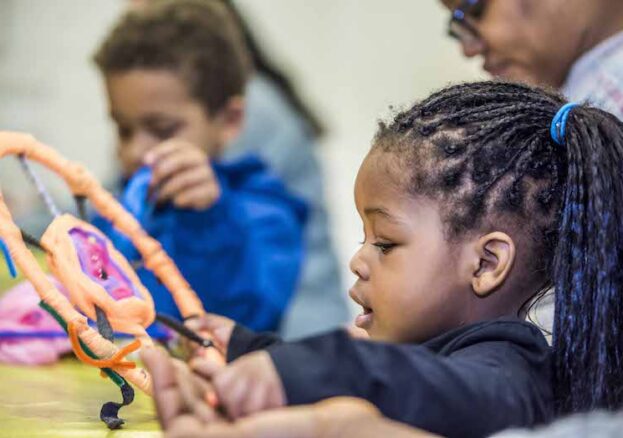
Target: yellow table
64, 400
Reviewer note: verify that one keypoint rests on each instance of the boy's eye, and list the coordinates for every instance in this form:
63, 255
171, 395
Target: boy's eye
385, 247
164, 132
124, 132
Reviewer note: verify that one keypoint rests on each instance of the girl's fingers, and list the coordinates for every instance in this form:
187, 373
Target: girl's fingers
192, 390
185, 426
256, 400
231, 391
169, 403
219, 327
205, 368
214, 327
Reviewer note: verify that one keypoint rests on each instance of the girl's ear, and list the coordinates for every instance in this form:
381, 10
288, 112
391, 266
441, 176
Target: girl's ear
230, 120
496, 255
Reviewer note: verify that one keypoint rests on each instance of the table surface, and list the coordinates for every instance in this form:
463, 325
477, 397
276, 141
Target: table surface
64, 399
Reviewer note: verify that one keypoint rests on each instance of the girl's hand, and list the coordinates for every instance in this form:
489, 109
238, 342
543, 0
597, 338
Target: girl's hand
249, 384
182, 175
214, 327
181, 397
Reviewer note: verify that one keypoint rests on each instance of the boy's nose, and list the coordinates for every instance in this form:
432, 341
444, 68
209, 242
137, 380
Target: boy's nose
138, 146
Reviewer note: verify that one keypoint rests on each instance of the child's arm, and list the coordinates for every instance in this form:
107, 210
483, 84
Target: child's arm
182, 411
481, 388
244, 341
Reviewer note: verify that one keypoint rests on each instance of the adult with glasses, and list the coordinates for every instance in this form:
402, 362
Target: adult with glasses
575, 46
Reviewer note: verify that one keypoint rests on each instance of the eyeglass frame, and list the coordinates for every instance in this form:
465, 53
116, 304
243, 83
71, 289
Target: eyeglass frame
461, 29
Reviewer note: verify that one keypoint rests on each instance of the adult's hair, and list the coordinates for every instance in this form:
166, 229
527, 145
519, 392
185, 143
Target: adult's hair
265, 66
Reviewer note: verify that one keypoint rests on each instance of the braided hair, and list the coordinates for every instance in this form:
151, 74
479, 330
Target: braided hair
485, 152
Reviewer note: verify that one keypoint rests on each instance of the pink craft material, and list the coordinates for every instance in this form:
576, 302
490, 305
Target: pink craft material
20, 313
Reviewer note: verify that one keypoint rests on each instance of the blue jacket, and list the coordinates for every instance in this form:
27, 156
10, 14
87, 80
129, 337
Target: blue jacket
242, 256
280, 136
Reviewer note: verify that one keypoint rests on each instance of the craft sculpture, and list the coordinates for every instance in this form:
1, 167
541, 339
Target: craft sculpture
102, 285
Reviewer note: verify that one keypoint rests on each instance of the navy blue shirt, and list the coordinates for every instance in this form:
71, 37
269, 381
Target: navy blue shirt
469, 382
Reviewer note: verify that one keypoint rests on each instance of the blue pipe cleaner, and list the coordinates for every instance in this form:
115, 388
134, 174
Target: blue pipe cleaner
8, 259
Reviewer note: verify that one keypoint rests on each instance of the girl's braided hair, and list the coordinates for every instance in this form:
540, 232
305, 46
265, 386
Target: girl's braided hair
484, 150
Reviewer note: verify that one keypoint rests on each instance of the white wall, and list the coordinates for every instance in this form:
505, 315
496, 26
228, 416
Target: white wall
49, 87
351, 59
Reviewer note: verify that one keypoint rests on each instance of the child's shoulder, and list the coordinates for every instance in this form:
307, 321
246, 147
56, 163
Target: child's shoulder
250, 178
246, 170
497, 335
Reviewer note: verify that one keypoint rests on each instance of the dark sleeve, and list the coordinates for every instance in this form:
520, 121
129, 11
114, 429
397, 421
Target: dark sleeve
244, 341
475, 394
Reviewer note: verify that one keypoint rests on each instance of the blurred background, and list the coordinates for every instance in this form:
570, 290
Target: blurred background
350, 59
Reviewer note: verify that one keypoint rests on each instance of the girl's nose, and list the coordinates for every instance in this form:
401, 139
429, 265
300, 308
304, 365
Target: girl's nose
359, 267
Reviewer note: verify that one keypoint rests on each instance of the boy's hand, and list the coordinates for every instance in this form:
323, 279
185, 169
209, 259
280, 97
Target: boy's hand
249, 384
182, 175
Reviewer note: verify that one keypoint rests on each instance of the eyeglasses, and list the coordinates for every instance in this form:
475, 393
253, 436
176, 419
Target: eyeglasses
459, 27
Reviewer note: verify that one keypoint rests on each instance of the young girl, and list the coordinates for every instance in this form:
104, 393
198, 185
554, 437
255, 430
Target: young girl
472, 201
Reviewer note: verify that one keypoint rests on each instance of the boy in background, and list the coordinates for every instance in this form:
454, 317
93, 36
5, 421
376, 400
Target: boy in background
175, 73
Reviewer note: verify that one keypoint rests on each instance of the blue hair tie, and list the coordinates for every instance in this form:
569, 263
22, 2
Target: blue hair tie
559, 124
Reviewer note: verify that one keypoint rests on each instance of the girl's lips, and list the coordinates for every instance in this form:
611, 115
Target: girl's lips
364, 320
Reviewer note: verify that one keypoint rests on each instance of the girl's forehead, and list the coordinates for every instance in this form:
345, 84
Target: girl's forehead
383, 169
379, 185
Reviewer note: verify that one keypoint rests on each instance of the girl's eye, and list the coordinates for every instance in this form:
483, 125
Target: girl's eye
385, 247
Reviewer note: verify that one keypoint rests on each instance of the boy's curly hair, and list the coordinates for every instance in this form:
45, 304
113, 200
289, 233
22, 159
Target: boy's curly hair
198, 40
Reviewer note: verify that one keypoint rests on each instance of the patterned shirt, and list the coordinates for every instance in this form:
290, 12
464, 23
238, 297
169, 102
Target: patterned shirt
597, 77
